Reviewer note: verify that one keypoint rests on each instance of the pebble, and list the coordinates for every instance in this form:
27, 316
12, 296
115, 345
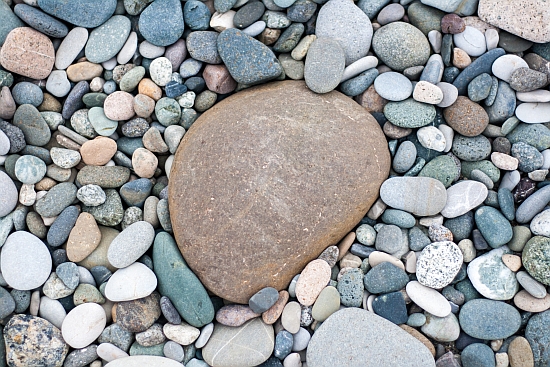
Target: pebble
83, 325
393, 86
409, 113
428, 299
441, 329
312, 280
404, 193
438, 264
488, 319
263, 299
161, 23
463, 197
140, 235
130, 283
116, 30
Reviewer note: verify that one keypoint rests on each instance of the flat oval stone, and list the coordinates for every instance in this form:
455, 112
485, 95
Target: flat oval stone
161, 23
491, 277
533, 113
58, 198
313, 279
130, 244
9, 197
494, 227
325, 62
489, 320
70, 47
107, 40
33, 125
428, 299
82, 13
143, 360
83, 325
248, 60
25, 262
393, 86
344, 22
463, 197
355, 328
40, 21
409, 113
132, 282
422, 196
248, 345
466, 117
227, 193
177, 282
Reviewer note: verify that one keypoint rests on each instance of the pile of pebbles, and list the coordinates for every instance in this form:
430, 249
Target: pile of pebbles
97, 95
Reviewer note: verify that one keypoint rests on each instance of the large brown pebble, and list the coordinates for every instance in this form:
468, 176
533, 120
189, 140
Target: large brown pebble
272, 315
28, 52
282, 170
144, 162
218, 79
83, 71
235, 315
119, 106
84, 238
140, 314
466, 117
520, 353
99, 151
453, 24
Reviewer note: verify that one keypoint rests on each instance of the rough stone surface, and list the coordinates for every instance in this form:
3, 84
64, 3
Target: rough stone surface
267, 194
364, 339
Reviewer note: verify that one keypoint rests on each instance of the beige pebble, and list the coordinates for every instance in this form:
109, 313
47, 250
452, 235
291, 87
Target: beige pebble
119, 106
150, 211
501, 360
496, 344
28, 52
378, 257
84, 238
468, 250
513, 262
520, 353
84, 71
350, 261
50, 103
149, 88
526, 302
35, 303
45, 184
99, 255
504, 161
183, 333
376, 209
153, 141
300, 51
395, 132
426, 92
274, 312
7, 104
428, 221
460, 58
410, 262
98, 151
290, 318
144, 162
269, 36
27, 195
144, 106
311, 282
97, 83
345, 244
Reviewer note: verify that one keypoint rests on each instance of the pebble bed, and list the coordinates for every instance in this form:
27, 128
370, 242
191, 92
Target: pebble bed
449, 267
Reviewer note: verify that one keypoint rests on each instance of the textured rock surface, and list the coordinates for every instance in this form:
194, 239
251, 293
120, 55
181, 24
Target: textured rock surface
260, 187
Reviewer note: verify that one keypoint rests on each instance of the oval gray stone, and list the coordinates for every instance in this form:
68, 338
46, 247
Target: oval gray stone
130, 244
325, 62
106, 40
422, 196
489, 320
355, 328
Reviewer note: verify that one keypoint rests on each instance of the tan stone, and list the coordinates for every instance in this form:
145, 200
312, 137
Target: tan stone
144, 162
380, 257
311, 282
149, 88
7, 104
84, 238
272, 315
520, 353
144, 106
119, 106
99, 151
50, 103
526, 302
420, 337
395, 132
279, 168
466, 117
269, 36
371, 100
529, 19
513, 262
84, 71
45, 184
504, 161
460, 58
350, 261
28, 52
218, 79
99, 255
345, 244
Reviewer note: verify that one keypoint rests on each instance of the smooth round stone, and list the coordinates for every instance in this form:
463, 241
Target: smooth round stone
504, 104
283, 344
52, 310
10, 21
161, 23
504, 66
427, 93
463, 197
533, 287
536, 96
535, 258
32, 124
117, 106
438, 264
313, 279
326, 304
529, 158
540, 225
393, 86
40, 21
168, 111
132, 282
131, 79
10, 196
366, 234
68, 273
83, 325
58, 84
389, 239
491, 277
441, 329
399, 218
526, 302
263, 299
357, 327
70, 47
108, 39
391, 306
404, 157
489, 320
526, 80
466, 117
338, 19
197, 15
82, 13
23, 250
161, 71
58, 198
130, 244
65, 158
494, 227
409, 113
533, 113
471, 40
444, 169
385, 278
477, 354
400, 45
428, 299
27, 93
430, 137
271, 96
421, 196
203, 46
30, 169
471, 149
351, 288
91, 195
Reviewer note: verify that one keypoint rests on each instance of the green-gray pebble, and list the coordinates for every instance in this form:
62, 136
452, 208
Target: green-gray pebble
102, 125
409, 113
111, 212
131, 79
399, 218
442, 168
168, 111
494, 227
58, 198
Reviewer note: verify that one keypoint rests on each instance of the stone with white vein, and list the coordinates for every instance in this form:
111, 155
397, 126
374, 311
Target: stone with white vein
463, 197
130, 283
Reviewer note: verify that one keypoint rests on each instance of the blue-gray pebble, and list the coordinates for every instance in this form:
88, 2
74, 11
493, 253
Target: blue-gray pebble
82, 13
41, 21
108, 39
385, 278
494, 227
61, 227
161, 23
351, 288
